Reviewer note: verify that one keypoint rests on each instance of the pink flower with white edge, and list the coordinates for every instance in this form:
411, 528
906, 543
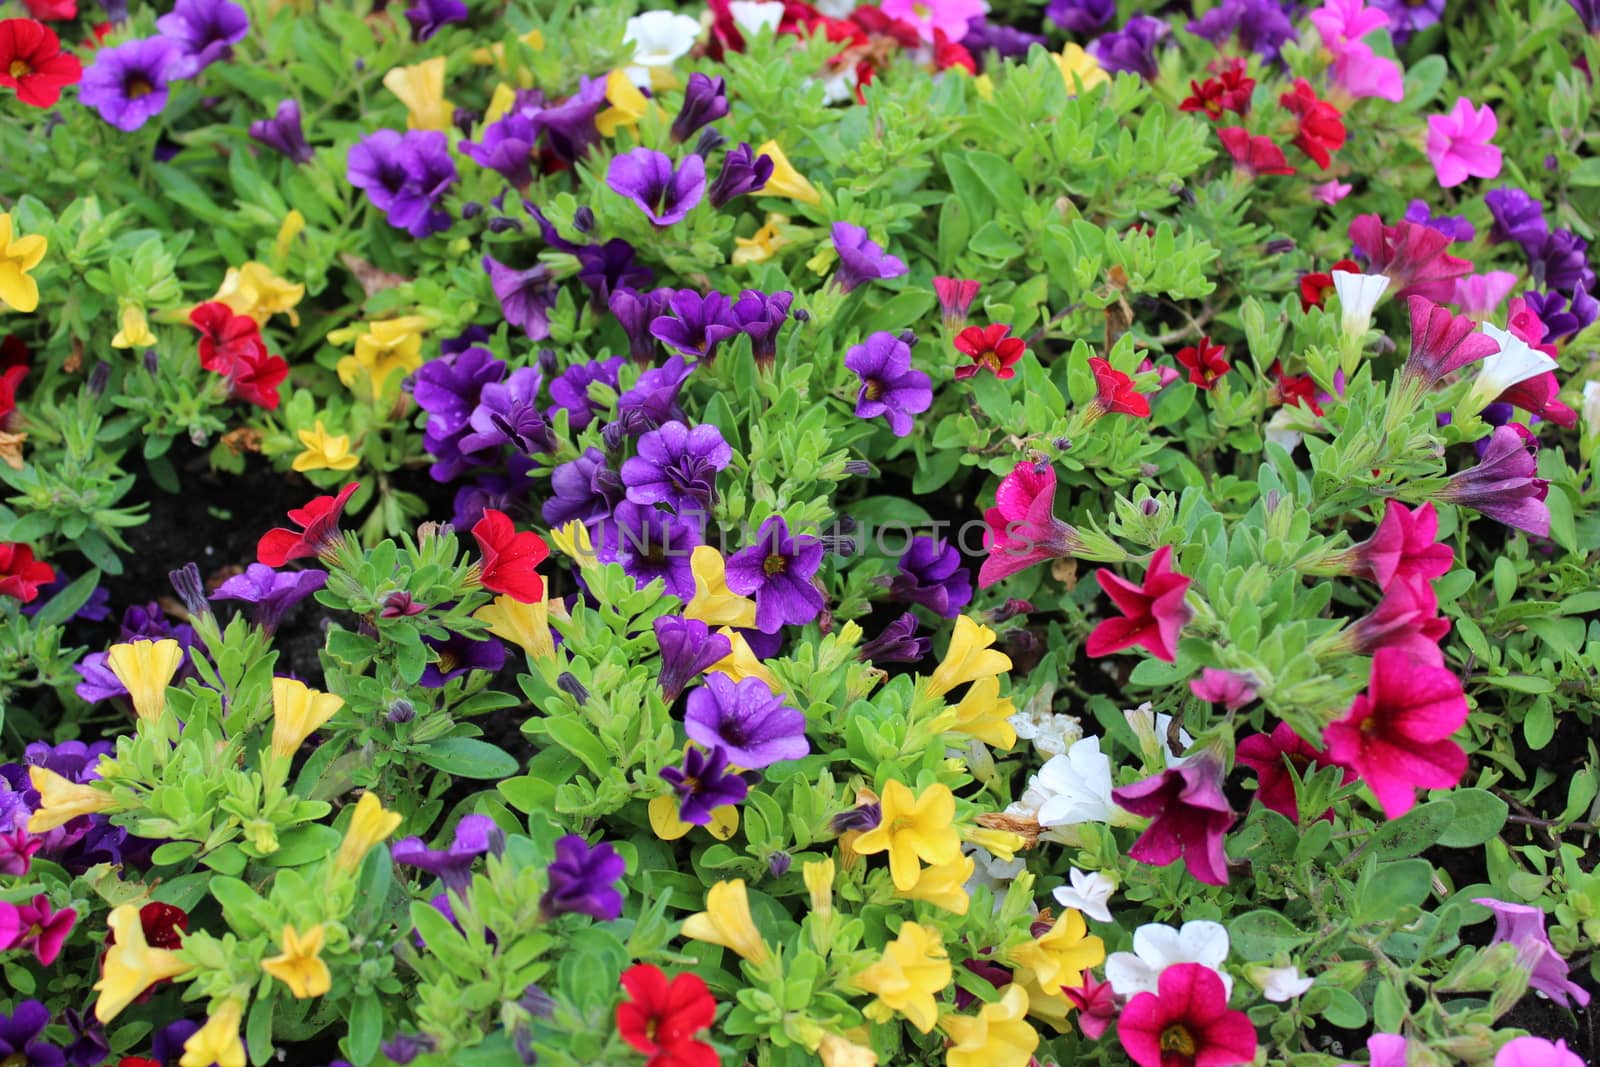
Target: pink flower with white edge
934, 16
1459, 143
1479, 295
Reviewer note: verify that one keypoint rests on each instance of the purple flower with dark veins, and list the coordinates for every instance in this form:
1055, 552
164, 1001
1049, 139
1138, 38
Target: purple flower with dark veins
650, 544
605, 268
1133, 48
704, 783
742, 172
677, 466
898, 643
778, 570
583, 490
570, 389
1561, 261
582, 880
1455, 227
759, 316
127, 84
204, 31
271, 593
283, 133
1080, 16
931, 574
1517, 217
508, 414
526, 296
697, 323
860, 258
635, 311
756, 728
475, 835
568, 127
653, 399
664, 194
506, 148
705, 100
459, 654
1504, 485
889, 385
688, 647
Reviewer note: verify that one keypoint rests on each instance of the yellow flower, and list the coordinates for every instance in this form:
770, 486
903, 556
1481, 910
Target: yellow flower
785, 180
742, 662
819, 875
726, 922
146, 668
968, 658
763, 244
385, 348
628, 105
1079, 68
135, 332
527, 625
61, 800
495, 56
297, 711
983, 713
998, 1036
912, 828
1059, 958
324, 451
19, 255
1002, 844
985, 86
572, 541
255, 291
837, 1051
713, 602
945, 886
131, 966
501, 101
218, 1040
300, 967
914, 967
293, 223
663, 811
420, 88
369, 825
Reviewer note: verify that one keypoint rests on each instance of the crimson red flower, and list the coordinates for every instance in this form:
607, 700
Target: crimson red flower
955, 299
989, 347
52, 10
660, 1018
1271, 756
1321, 127
948, 53
10, 378
1204, 362
1229, 91
1153, 614
1315, 287
319, 529
1292, 389
32, 63
20, 574
1538, 396
1186, 1023
509, 557
136, 1061
163, 926
255, 380
1253, 155
1114, 391
226, 339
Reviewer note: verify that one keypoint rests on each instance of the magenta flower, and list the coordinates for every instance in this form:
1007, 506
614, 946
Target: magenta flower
1023, 528
1231, 689
934, 16
1403, 547
1362, 73
1152, 614
1503, 485
1397, 734
1186, 1023
755, 728
1385, 1050
1191, 817
37, 927
648, 179
1479, 295
1096, 1002
1343, 22
1271, 756
1535, 1052
1459, 143
1523, 926
1412, 255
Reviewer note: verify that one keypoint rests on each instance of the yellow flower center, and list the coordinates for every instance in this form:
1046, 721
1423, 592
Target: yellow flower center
138, 86
773, 565
20, 68
874, 389
1177, 1038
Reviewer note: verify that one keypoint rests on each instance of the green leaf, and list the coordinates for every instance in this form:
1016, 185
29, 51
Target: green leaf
1479, 815
1344, 1010
467, 757
1260, 935
65, 604
258, 1030
1415, 831
366, 1026
1392, 888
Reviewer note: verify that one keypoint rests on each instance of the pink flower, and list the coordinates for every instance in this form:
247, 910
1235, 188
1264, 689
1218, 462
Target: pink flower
1523, 926
1442, 343
1186, 1023
1458, 143
1406, 618
1385, 1050
37, 927
1343, 22
955, 299
10, 925
1536, 1052
1231, 689
1270, 756
1361, 72
1096, 1003
1331, 191
1253, 155
1411, 254
1404, 547
1023, 528
1504, 485
16, 852
1190, 818
1152, 614
1480, 294
1397, 734
1525, 325
949, 17
1538, 396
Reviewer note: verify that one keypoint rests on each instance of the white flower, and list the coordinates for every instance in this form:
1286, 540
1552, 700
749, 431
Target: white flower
753, 16
1281, 430
1049, 732
1278, 984
1591, 424
1088, 893
660, 37
1077, 786
1157, 947
1154, 731
840, 87
1517, 361
835, 9
1358, 295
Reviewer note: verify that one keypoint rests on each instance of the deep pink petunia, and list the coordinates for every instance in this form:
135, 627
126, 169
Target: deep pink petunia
1412, 255
1271, 756
1186, 1022
1256, 155
1231, 689
1406, 618
1540, 395
1443, 342
42, 929
1403, 546
1190, 818
1153, 614
1023, 528
1096, 1002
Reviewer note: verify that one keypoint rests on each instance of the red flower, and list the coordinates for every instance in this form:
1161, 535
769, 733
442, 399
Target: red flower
255, 380
1228, 91
14, 352
1315, 287
1412, 255
20, 574
1205, 363
10, 378
52, 10
989, 347
661, 1018
1153, 614
32, 63
1291, 389
319, 529
1253, 155
164, 925
226, 339
136, 1061
1186, 1023
509, 557
97, 36
1270, 756
1321, 131
1537, 396
955, 299
1115, 391
948, 53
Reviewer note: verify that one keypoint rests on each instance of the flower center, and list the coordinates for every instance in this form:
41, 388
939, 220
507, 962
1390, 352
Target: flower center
19, 1060
1177, 1038
875, 389
447, 661
20, 68
773, 565
137, 86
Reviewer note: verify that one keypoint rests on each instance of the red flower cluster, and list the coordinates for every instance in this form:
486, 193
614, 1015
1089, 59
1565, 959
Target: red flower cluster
1204, 362
661, 1018
1315, 287
1291, 389
989, 347
1229, 91
32, 63
1253, 155
1321, 130
509, 557
231, 345
20, 574
319, 529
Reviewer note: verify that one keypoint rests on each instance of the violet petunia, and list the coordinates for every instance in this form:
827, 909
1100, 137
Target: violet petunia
779, 570
677, 466
22, 1037
1081, 16
665, 194
650, 544
508, 413
635, 311
704, 783
526, 296
127, 84
896, 643
1523, 926
1504, 485
755, 727
604, 268
1133, 48
1190, 818
860, 258
759, 316
1561, 261
653, 399
697, 325
458, 655
688, 648
1517, 217
507, 148
584, 490
582, 880
271, 593
204, 31
428, 17
705, 100
283, 133
569, 390
931, 573
742, 172
1261, 26
475, 836
890, 386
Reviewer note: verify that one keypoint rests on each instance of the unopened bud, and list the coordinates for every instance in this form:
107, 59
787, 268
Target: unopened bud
569, 684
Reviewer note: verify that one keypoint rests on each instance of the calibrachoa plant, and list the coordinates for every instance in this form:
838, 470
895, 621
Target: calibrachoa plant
982, 532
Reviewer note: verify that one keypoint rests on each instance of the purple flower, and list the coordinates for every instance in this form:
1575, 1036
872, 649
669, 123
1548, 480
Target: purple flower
778, 571
22, 1040
582, 880
653, 399
507, 148
754, 727
677, 466
703, 784
475, 835
570, 389
1560, 261
204, 31
508, 414
742, 172
650, 544
1007, 42
646, 177
99, 683
697, 323
898, 643
931, 574
605, 268
1408, 16
582, 489
405, 176
1261, 26
635, 311
448, 389
127, 84
1517, 217
1133, 48
759, 316
271, 593
860, 259
526, 296
1523, 926
705, 100
457, 655
1080, 16
167, 1045
1588, 13
688, 647
373, 164
89, 1047
1455, 227
404, 1048
889, 385
568, 127
1559, 321
428, 17
283, 133
504, 491
1503, 486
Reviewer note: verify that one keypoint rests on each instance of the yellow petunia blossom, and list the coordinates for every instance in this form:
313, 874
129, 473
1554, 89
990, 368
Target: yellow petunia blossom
818, 876
217, 1042
18, 256
742, 662
62, 800
727, 922
572, 540
945, 886
785, 180
255, 291
293, 224
968, 658
369, 826
763, 244
1059, 957
385, 349
501, 101
628, 105
998, 1036
913, 828
420, 88
131, 966
527, 625
324, 451
297, 712
135, 331
837, 1051
1079, 68
1002, 844
713, 602
913, 969
300, 966
495, 56
146, 668
664, 821
983, 713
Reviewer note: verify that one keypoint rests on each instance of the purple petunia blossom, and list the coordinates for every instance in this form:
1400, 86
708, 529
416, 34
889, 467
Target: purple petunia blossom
1561, 261
931, 574
508, 413
647, 177
756, 728
1007, 42
505, 491
605, 268
898, 643
650, 544
507, 148
568, 128
889, 385
89, 1047
1455, 227
1133, 48
1504, 486
448, 389
204, 31
1588, 13
458, 655
688, 647
742, 172
475, 836
428, 17
1560, 321
583, 490
570, 389
405, 176
677, 466
22, 1040
705, 100
697, 323
1260, 25
1523, 926
373, 164
1408, 16
283, 133
778, 570
526, 296
582, 880
271, 593
759, 316
1080, 16
653, 399
96, 609
1517, 217
860, 258
127, 84
635, 311
703, 784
